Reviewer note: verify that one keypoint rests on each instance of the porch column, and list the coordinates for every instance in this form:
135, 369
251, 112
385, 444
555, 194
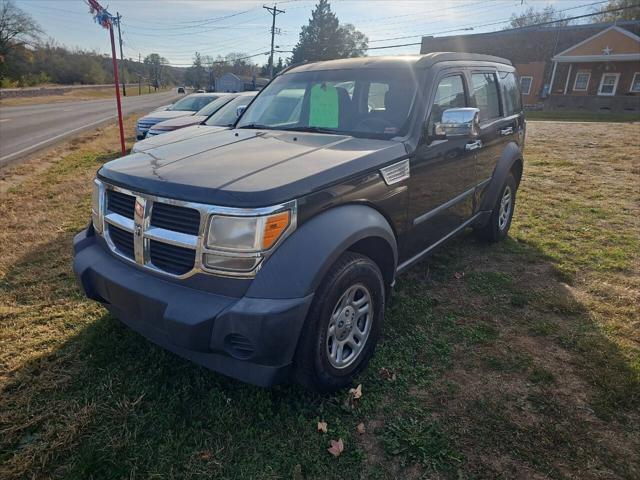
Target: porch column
553, 76
566, 85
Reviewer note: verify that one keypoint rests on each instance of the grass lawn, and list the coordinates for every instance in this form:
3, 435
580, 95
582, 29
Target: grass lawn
578, 116
516, 360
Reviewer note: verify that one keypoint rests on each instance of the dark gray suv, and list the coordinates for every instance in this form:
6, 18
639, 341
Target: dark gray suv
268, 251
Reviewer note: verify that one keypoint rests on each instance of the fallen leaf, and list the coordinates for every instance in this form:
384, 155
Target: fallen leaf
205, 455
297, 472
322, 427
356, 393
360, 428
336, 448
458, 275
388, 374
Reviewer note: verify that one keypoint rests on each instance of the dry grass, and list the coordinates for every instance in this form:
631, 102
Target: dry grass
516, 360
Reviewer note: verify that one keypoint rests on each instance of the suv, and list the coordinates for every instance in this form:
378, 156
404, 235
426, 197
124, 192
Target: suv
268, 252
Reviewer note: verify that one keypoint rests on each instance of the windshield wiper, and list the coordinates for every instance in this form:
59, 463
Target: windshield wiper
256, 126
315, 130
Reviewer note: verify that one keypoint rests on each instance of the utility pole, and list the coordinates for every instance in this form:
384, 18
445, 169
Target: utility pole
273, 11
124, 88
139, 75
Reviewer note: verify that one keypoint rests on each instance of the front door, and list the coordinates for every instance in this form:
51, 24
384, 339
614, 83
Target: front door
442, 174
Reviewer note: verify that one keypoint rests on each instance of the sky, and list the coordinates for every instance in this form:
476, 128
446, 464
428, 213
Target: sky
177, 28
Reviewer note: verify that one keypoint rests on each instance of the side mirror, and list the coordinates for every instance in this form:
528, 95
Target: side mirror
240, 110
459, 122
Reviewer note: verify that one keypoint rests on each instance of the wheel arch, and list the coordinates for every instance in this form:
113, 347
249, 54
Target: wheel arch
510, 161
298, 266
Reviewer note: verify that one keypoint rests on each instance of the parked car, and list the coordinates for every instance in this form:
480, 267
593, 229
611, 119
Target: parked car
268, 252
201, 90
181, 90
235, 99
219, 113
184, 107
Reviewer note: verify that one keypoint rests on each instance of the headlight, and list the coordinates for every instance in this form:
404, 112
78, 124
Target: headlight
96, 205
246, 234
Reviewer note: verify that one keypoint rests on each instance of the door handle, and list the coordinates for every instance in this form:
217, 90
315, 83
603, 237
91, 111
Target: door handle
506, 131
473, 145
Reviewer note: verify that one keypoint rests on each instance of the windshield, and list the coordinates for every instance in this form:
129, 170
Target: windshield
192, 103
362, 102
214, 106
227, 115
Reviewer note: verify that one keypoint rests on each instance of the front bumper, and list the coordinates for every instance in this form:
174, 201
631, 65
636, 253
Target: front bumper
251, 339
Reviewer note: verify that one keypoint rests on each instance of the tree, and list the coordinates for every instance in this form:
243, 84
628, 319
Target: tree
631, 12
155, 64
325, 39
196, 73
533, 16
17, 29
210, 69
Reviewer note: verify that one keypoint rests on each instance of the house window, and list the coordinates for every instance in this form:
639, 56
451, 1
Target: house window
608, 84
582, 81
635, 83
525, 85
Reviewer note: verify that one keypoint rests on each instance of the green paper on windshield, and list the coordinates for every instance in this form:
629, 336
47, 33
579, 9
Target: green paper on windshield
323, 106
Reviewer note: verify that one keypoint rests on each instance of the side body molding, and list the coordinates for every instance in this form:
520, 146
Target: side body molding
510, 155
299, 264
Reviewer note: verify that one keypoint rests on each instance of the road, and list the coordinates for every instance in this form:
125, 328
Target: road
25, 129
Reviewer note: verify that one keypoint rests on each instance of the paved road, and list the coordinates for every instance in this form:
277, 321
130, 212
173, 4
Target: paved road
25, 129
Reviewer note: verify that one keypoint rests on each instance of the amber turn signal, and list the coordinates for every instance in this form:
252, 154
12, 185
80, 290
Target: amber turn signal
274, 226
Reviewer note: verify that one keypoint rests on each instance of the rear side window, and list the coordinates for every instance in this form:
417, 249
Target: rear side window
449, 94
510, 93
485, 93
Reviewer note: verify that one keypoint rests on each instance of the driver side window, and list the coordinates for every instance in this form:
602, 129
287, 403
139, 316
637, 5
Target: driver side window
449, 94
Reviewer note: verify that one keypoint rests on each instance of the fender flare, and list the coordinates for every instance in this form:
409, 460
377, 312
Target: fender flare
510, 155
299, 264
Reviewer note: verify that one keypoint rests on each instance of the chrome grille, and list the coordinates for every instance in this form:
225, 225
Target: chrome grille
171, 258
168, 236
122, 240
121, 203
174, 217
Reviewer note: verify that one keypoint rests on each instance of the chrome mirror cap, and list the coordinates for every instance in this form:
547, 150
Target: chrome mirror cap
459, 122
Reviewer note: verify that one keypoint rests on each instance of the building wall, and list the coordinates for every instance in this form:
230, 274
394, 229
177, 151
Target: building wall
613, 39
536, 71
625, 69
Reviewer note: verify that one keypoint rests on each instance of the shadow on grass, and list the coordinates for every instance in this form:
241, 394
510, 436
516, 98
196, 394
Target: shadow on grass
106, 403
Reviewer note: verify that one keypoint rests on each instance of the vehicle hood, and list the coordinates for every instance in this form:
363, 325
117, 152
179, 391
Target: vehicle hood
174, 136
249, 168
162, 115
179, 122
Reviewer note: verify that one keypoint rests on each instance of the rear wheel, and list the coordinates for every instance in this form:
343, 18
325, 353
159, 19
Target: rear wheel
498, 224
342, 326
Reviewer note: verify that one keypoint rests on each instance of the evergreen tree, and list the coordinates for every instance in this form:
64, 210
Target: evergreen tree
325, 39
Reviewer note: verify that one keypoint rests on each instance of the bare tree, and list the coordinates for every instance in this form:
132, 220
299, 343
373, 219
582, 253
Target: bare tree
533, 16
17, 29
631, 11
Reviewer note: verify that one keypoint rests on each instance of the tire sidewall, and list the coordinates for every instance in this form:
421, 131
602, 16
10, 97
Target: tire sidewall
361, 270
500, 233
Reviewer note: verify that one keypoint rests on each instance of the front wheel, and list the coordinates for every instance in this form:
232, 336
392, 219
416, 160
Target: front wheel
342, 326
498, 224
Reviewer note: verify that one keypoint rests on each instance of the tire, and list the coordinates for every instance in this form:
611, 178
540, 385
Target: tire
497, 227
320, 363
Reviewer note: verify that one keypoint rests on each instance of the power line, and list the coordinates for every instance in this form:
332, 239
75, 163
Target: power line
510, 29
493, 23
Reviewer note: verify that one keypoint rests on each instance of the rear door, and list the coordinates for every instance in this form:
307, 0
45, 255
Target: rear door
494, 129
